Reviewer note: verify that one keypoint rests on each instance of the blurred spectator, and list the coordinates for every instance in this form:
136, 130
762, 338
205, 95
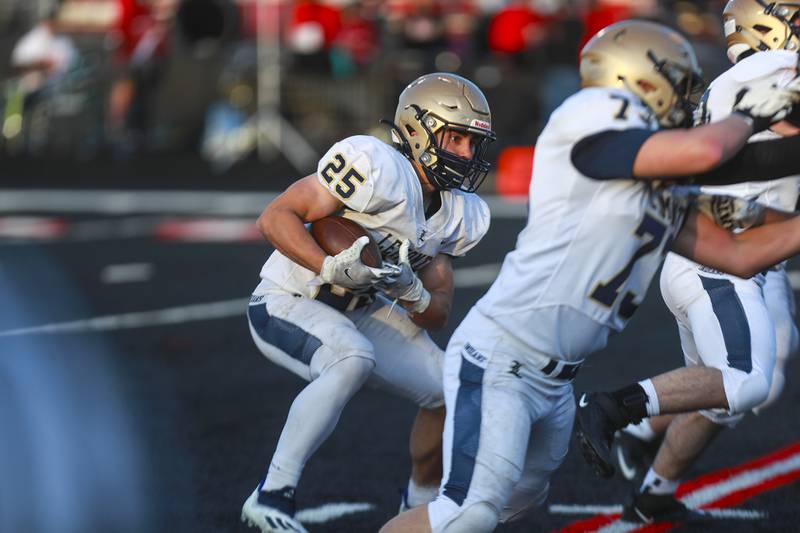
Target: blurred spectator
356, 43
460, 25
142, 33
560, 76
41, 55
517, 28
422, 24
313, 27
41, 60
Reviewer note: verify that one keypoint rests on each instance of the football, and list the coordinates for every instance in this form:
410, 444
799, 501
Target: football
335, 233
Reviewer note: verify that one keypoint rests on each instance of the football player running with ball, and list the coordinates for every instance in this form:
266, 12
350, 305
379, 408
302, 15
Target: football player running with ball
601, 219
331, 319
743, 328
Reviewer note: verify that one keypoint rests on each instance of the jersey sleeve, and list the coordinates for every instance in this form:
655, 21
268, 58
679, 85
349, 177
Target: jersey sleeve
473, 225
596, 110
348, 171
720, 97
606, 129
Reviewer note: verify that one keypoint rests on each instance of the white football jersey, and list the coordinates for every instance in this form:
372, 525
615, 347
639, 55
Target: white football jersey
591, 247
381, 191
717, 104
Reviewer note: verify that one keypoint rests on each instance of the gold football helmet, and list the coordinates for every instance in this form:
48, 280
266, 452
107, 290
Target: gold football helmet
652, 61
443, 100
755, 25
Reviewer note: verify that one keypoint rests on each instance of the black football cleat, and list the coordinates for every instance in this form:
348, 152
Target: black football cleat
632, 457
649, 508
598, 418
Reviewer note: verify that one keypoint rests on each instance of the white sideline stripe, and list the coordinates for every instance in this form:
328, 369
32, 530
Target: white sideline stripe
30, 227
125, 202
715, 491
565, 509
464, 277
331, 511
725, 514
746, 479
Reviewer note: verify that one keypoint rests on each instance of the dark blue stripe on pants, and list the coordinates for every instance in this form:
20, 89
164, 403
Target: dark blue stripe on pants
732, 320
466, 431
282, 334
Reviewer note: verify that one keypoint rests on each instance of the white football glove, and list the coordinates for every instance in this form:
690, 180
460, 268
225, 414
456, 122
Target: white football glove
733, 214
405, 285
346, 269
764, 103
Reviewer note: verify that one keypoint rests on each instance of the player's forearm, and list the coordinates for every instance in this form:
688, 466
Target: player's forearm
760, 248
286, 231
747, 253
678, 153
436, 315
758, 161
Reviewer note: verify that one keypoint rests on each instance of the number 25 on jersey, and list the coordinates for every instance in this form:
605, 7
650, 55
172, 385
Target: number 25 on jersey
347, 182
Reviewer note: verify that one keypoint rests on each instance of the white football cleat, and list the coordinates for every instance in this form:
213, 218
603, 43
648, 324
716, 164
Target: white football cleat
268, 519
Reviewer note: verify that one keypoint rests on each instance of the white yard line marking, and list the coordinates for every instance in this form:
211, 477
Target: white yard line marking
331, 511
465, 277
127, 273
172, 315
620, 527
124, 202
563, 508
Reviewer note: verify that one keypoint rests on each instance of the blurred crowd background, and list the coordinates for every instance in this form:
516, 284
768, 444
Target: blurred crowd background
220, 91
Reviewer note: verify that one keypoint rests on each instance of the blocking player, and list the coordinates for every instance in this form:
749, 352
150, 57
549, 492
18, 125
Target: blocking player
329, 319
600, 220
742, 327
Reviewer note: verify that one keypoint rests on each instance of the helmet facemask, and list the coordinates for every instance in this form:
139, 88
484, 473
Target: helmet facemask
429, 107
758, 26
444, 169
687, 87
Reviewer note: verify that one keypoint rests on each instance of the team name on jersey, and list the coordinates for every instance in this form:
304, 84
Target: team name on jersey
390, 251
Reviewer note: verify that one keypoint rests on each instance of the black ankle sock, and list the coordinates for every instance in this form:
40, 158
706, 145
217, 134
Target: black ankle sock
632, 401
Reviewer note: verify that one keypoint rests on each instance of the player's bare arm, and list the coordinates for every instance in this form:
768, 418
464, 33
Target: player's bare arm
437, 278
681, 152
282, 221
742, 254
